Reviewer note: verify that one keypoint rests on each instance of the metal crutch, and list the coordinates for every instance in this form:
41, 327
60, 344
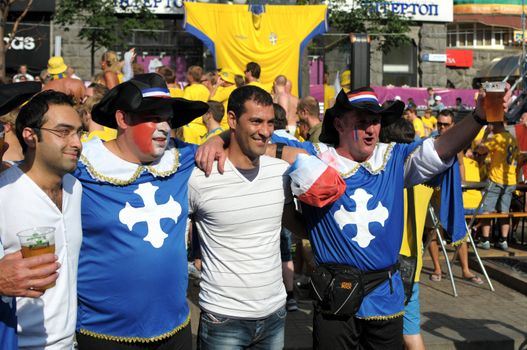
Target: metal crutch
483, 270
469, 232
435, 222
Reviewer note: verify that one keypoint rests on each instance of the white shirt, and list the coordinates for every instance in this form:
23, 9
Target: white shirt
47, 322
239, 223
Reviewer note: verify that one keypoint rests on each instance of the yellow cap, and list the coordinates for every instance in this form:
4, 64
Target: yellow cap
227, 76
345, 78
56, 65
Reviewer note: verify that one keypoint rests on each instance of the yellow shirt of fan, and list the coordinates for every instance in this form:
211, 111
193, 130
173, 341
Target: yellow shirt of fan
175, 92
106, 134
503, 152
429, 124
194, 130
471, 198
329, 95
274, 36
196, 92
222, 95
419, 127
267, 88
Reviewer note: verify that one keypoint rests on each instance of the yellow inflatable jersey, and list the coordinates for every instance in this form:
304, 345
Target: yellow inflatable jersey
274, 36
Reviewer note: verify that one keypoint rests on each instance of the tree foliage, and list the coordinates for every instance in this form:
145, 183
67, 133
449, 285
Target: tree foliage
363, 16
5, 6
103, 23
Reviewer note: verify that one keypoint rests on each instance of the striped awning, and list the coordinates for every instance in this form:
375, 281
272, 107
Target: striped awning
499, 68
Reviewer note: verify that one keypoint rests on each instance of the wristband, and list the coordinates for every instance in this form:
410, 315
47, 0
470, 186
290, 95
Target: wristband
279, 149
478, 120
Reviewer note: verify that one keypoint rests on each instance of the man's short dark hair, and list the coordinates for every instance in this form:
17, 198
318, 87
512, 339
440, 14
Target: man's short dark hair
400, 131
280, 117
254, 69
167, 73
217, 110
446, 113
195, 72
32, 115
246, 93
309, 104
411, 109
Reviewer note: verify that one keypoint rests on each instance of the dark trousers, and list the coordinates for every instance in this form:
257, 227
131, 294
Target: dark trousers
337, 332
182, 340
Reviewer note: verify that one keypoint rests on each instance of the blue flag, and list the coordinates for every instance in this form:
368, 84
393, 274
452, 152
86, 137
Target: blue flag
451, 212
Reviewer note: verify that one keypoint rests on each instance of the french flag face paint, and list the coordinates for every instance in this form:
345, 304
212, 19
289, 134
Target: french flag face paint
356, 134
142, 136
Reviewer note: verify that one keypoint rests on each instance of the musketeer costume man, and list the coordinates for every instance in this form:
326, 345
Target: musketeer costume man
133, 263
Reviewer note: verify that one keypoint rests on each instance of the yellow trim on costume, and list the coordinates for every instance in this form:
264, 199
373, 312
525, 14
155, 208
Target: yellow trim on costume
366, 165
384, 161
460, 241
136, 173
382, 318
136, 339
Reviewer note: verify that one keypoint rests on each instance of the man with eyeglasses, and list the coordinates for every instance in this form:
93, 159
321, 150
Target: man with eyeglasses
41, 192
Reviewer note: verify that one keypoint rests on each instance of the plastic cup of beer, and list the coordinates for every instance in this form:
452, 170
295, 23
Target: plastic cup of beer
493, 103
37, 241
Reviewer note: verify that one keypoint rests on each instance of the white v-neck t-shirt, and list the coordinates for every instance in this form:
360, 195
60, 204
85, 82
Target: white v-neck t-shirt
239, 223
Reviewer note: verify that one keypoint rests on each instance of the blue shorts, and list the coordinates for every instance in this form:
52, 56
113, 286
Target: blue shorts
498, 198
412, 314
285, 245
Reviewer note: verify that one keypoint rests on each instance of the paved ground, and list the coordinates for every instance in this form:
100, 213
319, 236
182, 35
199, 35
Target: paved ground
476, 319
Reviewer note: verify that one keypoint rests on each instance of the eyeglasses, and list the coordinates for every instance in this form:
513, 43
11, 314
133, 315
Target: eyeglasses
439, 124
63, 133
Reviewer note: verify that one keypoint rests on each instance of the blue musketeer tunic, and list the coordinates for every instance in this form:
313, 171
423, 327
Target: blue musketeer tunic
133, 268
364, 227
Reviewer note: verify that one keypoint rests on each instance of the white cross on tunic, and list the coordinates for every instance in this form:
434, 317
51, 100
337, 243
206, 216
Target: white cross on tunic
151, 213
361, 217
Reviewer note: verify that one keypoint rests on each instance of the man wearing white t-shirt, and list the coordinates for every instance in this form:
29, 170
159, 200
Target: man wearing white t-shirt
41, 192
239, 216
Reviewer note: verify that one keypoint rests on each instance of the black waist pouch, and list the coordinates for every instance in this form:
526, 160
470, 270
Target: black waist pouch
339, 289
407, 269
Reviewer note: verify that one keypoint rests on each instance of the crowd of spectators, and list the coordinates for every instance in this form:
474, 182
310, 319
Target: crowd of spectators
493, 156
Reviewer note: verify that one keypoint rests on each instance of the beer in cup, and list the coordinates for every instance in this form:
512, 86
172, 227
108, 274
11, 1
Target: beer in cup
37, 241
493, 103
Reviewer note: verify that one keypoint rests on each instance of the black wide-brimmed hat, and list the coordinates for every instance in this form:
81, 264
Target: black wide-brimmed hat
146, 92
362, 99
13, 95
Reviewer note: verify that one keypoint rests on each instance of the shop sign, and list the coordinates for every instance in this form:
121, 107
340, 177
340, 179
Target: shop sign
433, 57
30, 45
159, 7
518, 36
416, 10
459, 58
